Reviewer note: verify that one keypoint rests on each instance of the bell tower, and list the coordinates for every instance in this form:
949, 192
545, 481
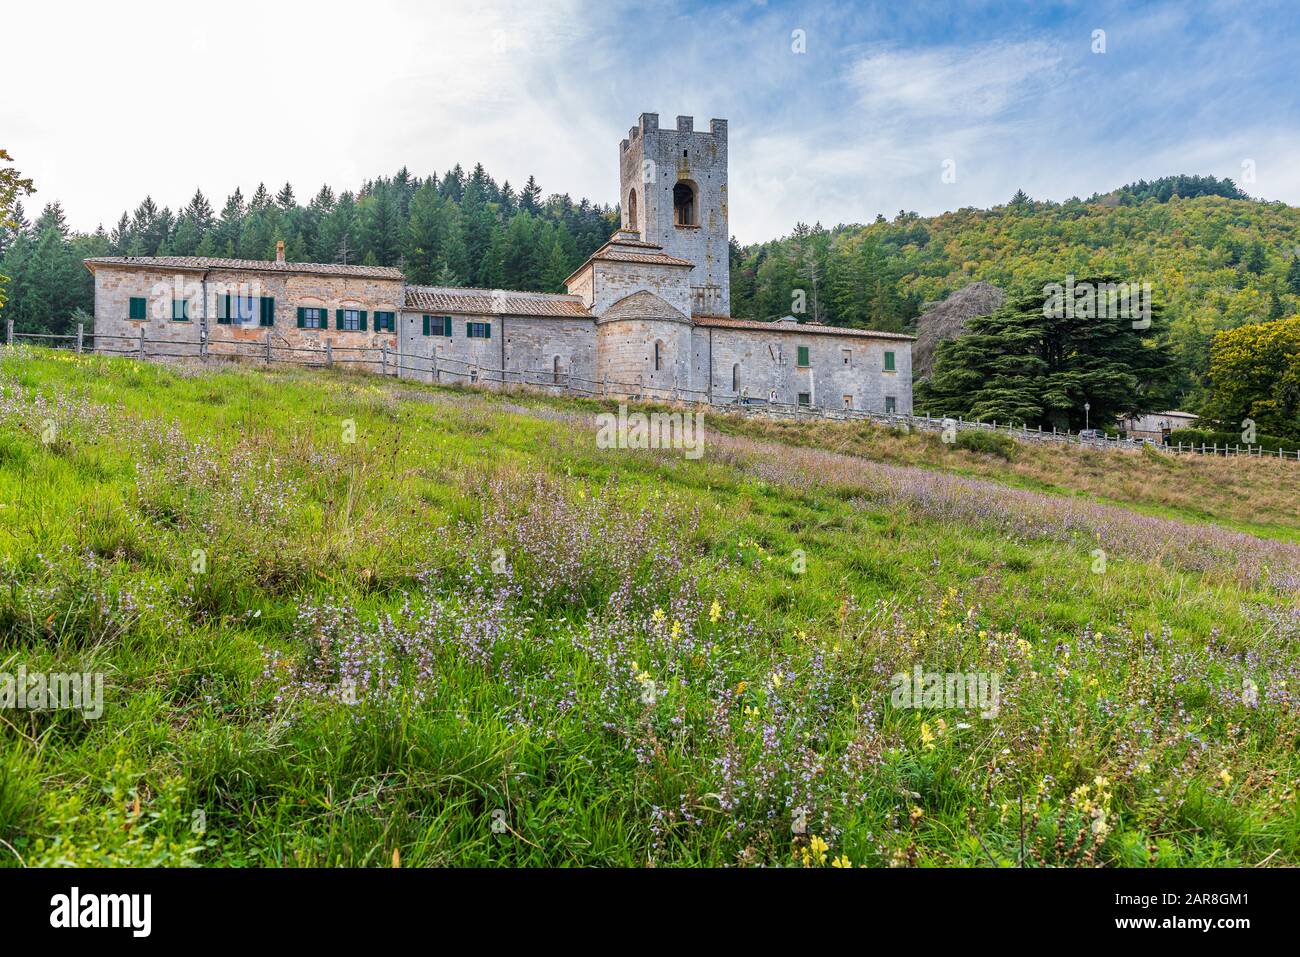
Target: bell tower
674, 193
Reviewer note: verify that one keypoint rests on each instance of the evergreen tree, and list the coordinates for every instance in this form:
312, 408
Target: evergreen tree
119, 240
381, 231
225, 239
452, 186
427, 234
1293, 275
1031, 363
455, 259
491, 268
530, 197
520, 259
194, 222
149, 228
261, 199
557, 268
447, 277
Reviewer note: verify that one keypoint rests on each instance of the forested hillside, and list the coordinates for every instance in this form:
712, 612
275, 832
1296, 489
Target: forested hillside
1215, 258
1215, 261
456, 230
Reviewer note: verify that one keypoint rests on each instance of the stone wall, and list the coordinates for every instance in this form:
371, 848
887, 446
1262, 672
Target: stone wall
651, 162
626, 349
613, 281
527, 345
115, 286
768, 361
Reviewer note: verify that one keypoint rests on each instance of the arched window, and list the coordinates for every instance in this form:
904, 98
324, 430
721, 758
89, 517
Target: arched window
685, 211
631, 210
735, 378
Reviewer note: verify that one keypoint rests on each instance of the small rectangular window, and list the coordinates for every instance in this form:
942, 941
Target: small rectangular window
805, 398
478, 330
180, 310
385, 321
803, 358
889, 362
267, 314
138, 307
848, 356
437, 326
311, 318
241, 310
349, 320
891, 404
848, 402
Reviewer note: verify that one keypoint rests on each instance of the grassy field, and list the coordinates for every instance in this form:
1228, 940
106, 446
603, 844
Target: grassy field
345, 620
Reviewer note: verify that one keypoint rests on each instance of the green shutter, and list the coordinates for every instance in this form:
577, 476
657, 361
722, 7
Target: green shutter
338, 318
426, 324
889, 362
446, 326
302, 318
268, 310
803, 356
487, 330
361, 320
137, 308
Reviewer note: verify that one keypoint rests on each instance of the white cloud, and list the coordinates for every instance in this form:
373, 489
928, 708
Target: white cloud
952, 83
165, 97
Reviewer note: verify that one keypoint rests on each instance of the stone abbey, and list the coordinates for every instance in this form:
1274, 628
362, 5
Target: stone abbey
648, 313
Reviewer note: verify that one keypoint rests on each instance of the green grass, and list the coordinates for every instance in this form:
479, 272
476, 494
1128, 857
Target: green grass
471, 637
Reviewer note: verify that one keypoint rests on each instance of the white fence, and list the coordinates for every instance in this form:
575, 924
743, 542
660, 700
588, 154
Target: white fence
451, 371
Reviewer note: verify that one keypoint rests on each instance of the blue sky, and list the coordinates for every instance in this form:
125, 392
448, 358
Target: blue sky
883, 98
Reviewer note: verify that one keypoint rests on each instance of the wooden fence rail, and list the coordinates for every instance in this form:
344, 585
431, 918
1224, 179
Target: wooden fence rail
449, 370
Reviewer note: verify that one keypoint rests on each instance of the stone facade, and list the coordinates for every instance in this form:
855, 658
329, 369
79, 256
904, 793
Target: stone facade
200, 285
652, 164
844, 368
645, 315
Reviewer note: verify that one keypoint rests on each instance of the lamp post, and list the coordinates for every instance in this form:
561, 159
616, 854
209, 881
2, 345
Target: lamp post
1086, 407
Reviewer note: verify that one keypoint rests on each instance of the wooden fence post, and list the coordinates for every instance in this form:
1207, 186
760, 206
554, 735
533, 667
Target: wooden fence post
9, 332
140, 353
329, 353
81, 336
268, 345
383, 359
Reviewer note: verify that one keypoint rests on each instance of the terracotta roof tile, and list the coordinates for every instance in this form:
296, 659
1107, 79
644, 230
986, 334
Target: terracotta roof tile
624, 249
642, 305
258, 265
615, 254
493, 302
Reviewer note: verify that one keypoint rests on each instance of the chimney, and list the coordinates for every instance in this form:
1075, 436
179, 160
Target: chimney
279, 251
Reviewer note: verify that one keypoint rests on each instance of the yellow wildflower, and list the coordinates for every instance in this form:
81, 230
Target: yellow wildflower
1225, 777
916, 814
658, 616
841, 861
715, 611
818, 848
927, 737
